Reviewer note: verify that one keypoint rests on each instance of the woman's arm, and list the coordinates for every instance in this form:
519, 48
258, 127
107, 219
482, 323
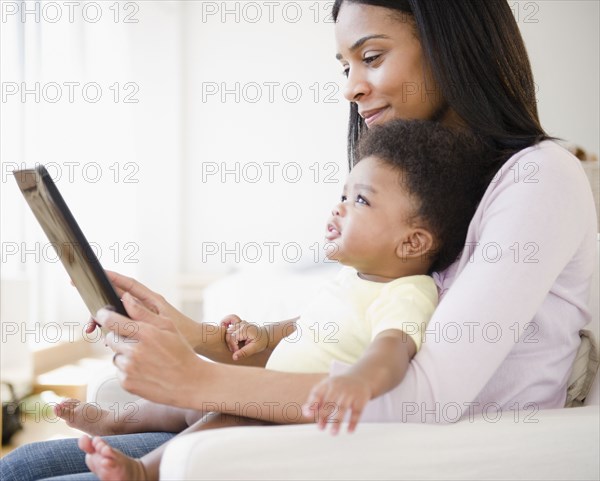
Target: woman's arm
206, 339
156, 362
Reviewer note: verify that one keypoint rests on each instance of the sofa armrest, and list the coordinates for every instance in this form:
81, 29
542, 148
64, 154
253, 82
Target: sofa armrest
105, 390
548, 444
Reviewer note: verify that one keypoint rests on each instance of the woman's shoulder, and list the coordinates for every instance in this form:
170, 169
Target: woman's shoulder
539, 192
547, 160
543, 171
541, 199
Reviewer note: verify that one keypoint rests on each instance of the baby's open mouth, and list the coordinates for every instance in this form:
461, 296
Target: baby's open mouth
332, 232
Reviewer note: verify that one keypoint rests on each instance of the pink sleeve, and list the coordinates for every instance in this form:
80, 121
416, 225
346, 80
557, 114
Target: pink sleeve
531, 224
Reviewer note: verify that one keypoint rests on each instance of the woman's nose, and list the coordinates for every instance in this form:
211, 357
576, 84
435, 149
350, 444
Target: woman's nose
356, 86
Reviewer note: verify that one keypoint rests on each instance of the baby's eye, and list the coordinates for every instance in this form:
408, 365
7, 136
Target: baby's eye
343, 198
361, 200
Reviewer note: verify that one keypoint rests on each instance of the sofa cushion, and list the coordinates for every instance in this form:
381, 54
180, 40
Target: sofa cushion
584, 370
549, 444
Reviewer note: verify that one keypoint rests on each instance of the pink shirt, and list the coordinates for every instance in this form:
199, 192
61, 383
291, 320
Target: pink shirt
506, 331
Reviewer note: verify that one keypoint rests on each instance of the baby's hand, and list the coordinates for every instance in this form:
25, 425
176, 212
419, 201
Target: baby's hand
243, 338
329, 400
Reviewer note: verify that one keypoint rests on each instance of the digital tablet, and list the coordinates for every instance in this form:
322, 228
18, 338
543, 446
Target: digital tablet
68, 241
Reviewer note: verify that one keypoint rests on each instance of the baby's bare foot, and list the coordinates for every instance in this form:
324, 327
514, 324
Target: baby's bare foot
110, 464
88, 417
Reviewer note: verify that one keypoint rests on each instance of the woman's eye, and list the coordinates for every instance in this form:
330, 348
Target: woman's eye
346, 72
361, 200
371, 58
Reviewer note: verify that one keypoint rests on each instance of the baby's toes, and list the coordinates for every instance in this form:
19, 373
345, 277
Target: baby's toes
65, 407
103, 448
85, 444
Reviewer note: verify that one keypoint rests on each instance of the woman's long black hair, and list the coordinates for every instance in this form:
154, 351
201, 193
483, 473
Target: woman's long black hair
477, 57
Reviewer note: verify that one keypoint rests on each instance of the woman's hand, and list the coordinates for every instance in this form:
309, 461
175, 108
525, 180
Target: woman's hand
243, 338
205, 338
329, 400
153, 359
154, 302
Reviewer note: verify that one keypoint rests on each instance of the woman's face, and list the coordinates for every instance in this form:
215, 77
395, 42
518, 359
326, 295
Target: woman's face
383, 60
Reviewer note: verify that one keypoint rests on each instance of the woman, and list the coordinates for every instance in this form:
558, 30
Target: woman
506, 330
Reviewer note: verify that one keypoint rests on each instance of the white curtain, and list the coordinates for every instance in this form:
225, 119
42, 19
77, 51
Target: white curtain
91, 90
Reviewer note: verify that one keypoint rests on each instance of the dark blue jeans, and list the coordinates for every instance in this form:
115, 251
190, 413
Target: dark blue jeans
62, 460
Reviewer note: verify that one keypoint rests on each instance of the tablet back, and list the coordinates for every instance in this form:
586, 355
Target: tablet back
68, 241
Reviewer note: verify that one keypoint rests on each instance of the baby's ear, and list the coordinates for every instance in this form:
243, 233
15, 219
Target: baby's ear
418, 243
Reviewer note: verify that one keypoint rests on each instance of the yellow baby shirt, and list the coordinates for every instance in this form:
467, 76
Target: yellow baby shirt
346, 316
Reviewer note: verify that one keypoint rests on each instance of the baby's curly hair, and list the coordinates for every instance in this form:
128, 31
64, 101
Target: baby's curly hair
446, 171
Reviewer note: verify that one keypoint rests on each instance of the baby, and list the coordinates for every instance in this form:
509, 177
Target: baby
403, 214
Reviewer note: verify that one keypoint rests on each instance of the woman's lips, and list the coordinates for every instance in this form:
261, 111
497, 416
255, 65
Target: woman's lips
371, 116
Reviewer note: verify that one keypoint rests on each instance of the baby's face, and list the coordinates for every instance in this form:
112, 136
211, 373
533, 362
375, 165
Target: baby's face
371, 220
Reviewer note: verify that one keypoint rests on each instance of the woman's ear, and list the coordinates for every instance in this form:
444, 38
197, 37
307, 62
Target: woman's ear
418, 243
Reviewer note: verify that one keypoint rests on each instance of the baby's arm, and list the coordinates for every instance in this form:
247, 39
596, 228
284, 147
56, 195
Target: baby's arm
245, 339
380, 369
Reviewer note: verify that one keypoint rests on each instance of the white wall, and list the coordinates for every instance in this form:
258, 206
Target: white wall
563, 38
108, 157
298, 132
227, 46
173, 134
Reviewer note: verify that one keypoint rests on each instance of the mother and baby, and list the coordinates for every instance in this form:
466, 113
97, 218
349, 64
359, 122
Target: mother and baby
431, 187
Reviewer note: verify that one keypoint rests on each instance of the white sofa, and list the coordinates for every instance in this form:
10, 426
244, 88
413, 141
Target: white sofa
551, 444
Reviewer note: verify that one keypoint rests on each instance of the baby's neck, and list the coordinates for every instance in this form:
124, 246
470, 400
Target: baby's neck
375, 278
405, 271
